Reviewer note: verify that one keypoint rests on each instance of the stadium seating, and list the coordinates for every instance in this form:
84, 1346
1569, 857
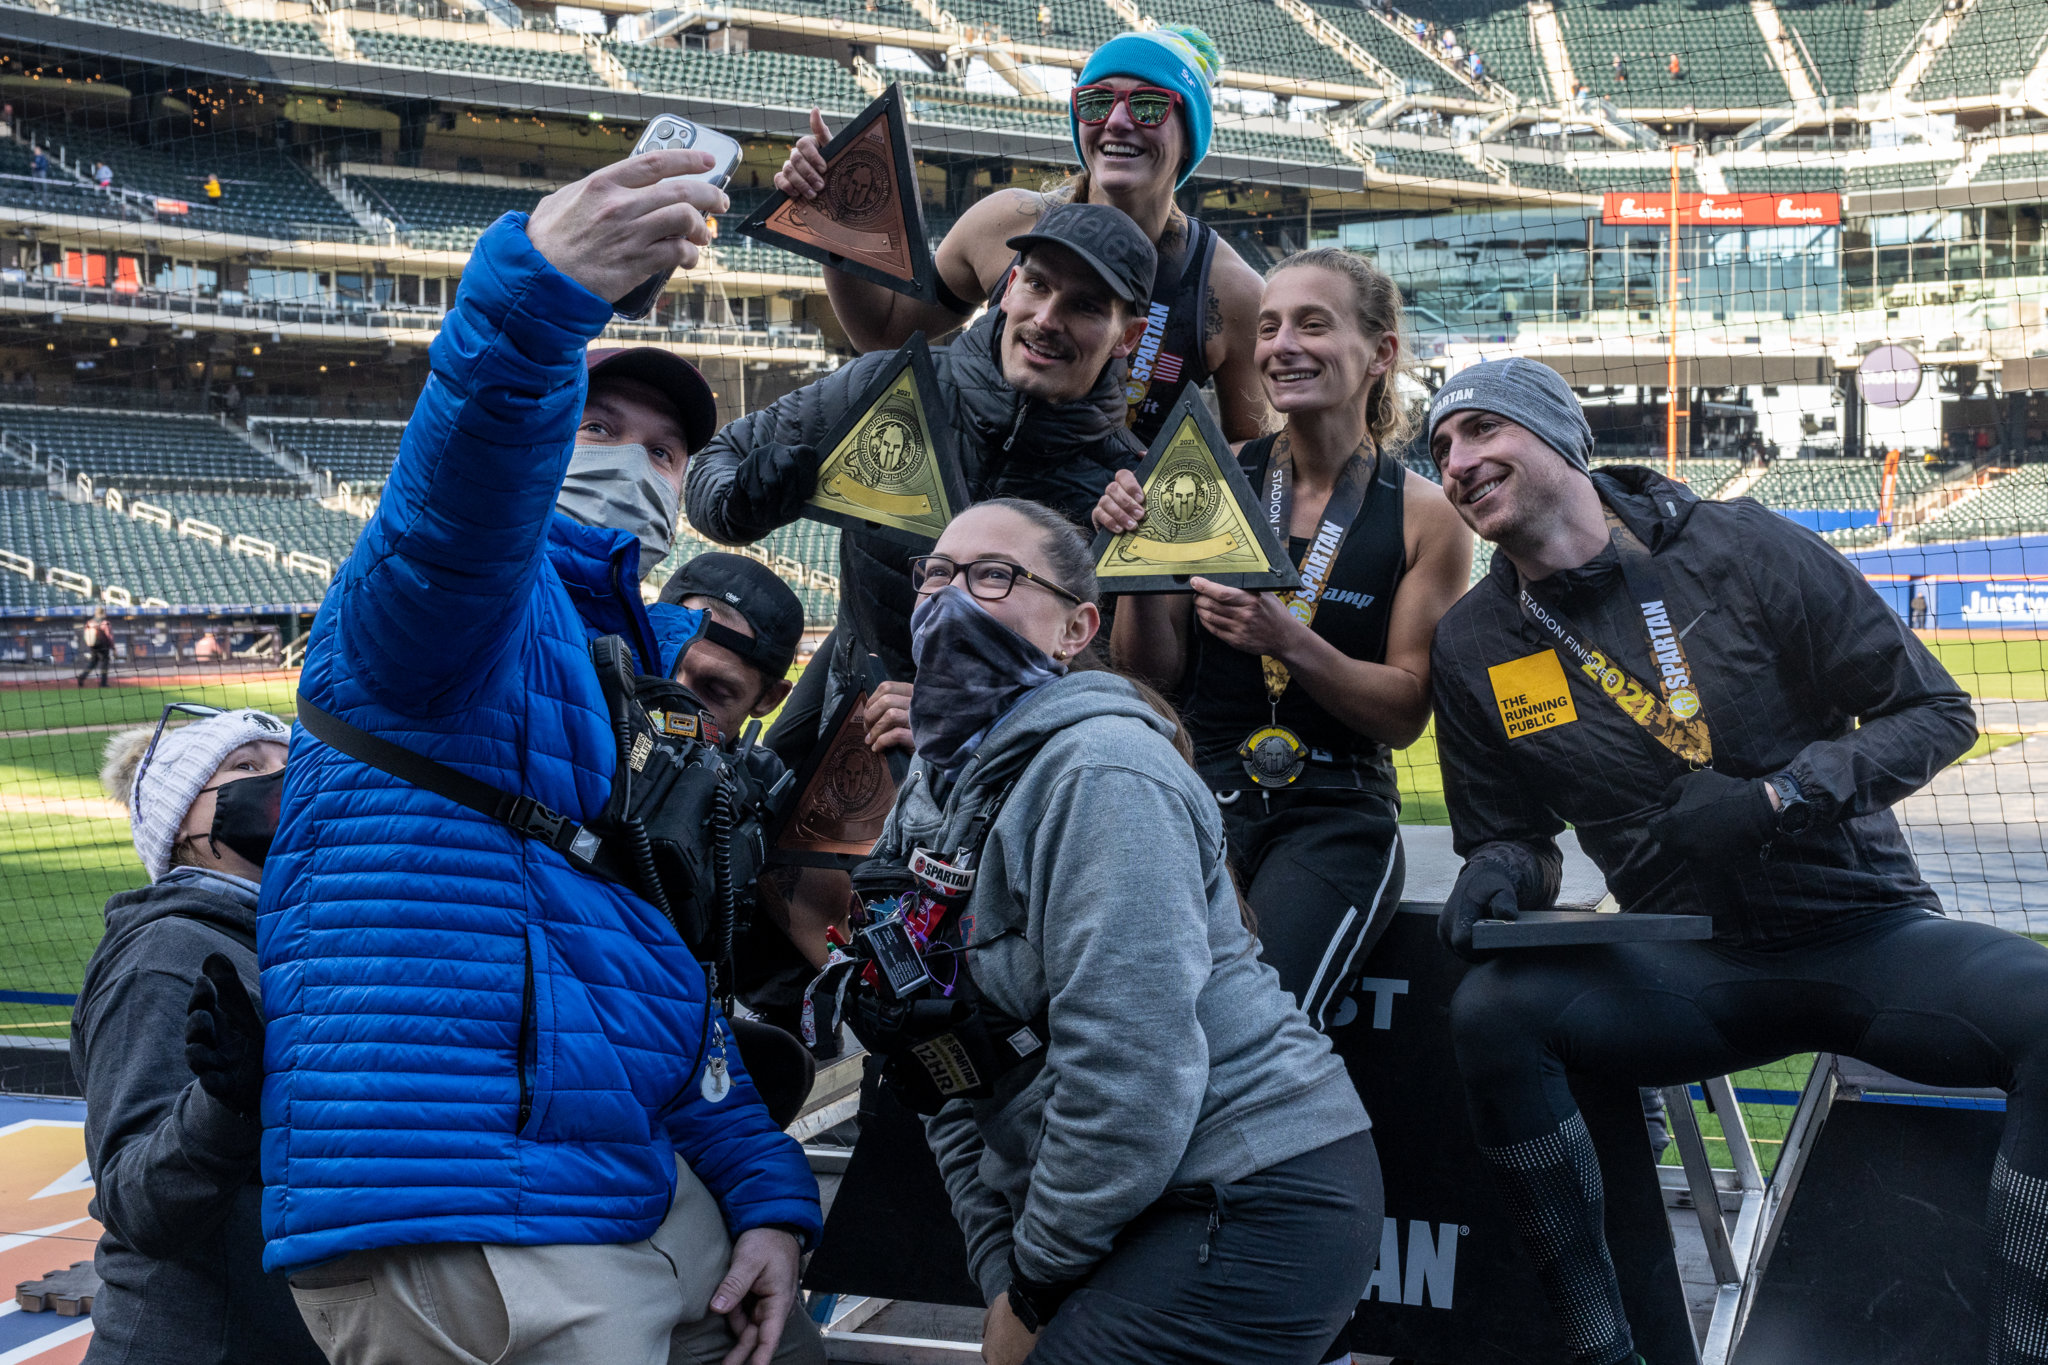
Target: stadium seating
437, 214
736, 253
1391, 50
148, 17
490, 59
2014, 505
1784, 179
272, 35
1254, 35
1545, 175
264, 190
1893, 175
1997, 40
1500, 34
1846, 484
934, 101
1719, 48
1079, 24
288, 523
147, 560
136, 450
1600, 178
2020, 166
796, 552
761, 78
1428, 165
1856, 46
1309, 146
356, 453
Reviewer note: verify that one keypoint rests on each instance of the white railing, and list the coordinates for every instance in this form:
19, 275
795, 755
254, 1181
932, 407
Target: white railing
115, 502
69, 581
11, 562
255, 547
312, 564
83, 487
154, 602
150, 512
202, 530
116, 597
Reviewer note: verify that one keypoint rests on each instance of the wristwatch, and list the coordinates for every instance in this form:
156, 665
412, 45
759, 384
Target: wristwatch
1034, 1301
1795, 812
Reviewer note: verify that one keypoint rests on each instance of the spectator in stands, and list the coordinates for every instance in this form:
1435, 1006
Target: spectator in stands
1476, 65
1045, 21
98, 639
38, 162
1916, 610
207, 649
622, 1192
1035, 408
1620, 70
1675, 67
1726, 711
102, 175
212, 187
1134, 156
173, 1154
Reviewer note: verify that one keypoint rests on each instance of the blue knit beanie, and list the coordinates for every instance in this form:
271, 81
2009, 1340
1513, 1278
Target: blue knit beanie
1180, 58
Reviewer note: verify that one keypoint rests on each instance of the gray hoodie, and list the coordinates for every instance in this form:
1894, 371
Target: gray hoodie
1175, 1057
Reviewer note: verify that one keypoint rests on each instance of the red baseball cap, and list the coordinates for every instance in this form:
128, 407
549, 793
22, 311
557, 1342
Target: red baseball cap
669, 374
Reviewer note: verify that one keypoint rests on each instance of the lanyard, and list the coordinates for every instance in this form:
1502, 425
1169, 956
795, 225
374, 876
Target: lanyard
1347, 499
1671, 714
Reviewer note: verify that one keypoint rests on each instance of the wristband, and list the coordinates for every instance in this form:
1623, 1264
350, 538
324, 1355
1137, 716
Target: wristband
949, 300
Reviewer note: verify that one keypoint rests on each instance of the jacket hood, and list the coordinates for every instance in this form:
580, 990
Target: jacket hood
1062, 703
996, 411
189, 893
1654, 507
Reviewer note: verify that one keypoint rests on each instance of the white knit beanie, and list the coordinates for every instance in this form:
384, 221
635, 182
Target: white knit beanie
159, 796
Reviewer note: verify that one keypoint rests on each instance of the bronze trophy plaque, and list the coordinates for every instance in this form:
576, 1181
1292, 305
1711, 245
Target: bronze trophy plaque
845, 791
1201, 517
869, 220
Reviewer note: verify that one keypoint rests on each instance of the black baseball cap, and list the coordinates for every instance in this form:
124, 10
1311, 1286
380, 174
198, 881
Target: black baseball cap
1106, 238
669, 374
750, 588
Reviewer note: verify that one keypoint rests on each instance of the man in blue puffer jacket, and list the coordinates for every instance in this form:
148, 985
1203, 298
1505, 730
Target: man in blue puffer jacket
502, 1118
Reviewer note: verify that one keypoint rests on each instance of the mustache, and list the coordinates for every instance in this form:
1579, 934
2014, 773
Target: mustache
1041, 340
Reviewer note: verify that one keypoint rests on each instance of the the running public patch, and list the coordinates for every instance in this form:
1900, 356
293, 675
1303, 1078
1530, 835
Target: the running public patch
1532, 694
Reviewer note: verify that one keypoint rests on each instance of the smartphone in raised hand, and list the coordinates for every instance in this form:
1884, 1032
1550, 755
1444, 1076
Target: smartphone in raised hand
673, 132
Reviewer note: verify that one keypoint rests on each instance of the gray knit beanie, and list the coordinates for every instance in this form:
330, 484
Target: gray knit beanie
159, 796
1528, 394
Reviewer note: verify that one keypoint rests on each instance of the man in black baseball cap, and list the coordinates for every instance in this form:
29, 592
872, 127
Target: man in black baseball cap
738, 660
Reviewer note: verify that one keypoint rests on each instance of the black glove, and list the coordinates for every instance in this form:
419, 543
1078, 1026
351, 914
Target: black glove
1710, 816
1485, 890
771, 486
224, 1037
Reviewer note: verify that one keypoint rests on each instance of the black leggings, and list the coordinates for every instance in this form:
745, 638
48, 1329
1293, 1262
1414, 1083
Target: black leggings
1934, 1000
1323, 869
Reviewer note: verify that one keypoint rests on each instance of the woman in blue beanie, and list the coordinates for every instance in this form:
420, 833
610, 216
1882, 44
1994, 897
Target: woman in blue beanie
1141, 118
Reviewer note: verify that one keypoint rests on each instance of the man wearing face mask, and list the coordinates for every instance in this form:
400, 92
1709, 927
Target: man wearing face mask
521, 1132
173, 1155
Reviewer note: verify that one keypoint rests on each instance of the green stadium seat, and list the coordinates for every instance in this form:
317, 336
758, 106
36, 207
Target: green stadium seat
359, 454
144, 450
1719, 47
760, 78
491, 59
1997, 41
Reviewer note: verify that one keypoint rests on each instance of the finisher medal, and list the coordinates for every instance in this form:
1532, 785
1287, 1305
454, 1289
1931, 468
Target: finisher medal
1273, 756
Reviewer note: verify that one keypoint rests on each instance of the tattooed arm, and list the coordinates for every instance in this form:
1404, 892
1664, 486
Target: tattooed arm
1230, 341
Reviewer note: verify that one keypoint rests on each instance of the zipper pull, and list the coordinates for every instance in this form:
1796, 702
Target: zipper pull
1023, 406
717, 1083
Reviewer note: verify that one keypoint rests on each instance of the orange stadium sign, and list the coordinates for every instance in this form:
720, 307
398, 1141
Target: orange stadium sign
1651, 209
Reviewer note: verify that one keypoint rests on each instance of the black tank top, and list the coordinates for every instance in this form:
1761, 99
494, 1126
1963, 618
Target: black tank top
1171, 355
1223, 695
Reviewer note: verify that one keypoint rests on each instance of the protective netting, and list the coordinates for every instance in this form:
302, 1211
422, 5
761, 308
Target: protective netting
229, 230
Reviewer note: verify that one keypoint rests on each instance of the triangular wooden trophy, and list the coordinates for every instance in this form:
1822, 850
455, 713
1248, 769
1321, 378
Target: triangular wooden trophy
1201, 517
845, 790
888, 467
869, 218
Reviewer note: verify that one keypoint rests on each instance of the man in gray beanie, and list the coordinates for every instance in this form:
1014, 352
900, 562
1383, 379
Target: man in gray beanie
1725, 710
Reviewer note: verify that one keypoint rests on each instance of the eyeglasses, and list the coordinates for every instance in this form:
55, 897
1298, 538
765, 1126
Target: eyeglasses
1149, 105
196, 710
988, 579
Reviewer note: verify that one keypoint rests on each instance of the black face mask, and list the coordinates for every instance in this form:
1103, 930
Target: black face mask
245, 815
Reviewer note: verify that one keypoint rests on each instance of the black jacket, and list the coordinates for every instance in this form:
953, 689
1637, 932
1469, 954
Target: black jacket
175, 1173
1010, 446
1789, 650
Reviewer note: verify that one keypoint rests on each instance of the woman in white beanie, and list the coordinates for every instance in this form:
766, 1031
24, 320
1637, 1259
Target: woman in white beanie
168, 1042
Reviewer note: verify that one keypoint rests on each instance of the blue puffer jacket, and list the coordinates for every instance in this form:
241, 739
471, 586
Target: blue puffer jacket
468, 1040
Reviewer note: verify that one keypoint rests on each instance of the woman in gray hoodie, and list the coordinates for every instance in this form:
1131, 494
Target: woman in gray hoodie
1182, 1171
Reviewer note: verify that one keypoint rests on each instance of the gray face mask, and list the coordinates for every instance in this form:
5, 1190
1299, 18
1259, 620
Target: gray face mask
617, 487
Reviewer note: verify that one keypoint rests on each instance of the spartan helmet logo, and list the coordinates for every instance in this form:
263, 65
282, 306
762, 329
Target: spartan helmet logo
858, 187
1186, 497
889, 452
892, 445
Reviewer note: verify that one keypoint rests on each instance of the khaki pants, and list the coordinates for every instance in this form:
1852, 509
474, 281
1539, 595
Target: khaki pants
637, 1303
